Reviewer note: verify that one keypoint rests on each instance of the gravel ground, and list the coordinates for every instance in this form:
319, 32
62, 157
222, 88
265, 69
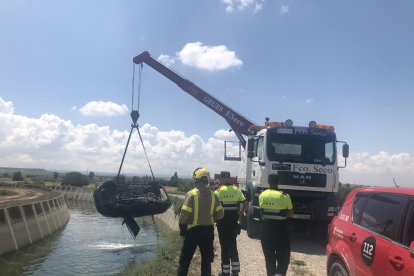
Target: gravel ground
307, 256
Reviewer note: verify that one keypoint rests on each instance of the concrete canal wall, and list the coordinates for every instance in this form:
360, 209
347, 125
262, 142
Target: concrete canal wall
24, 224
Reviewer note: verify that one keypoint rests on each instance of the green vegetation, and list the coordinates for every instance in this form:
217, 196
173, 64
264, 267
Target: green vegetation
174, 180
177, 203
75, 179
344, 190
165, 263
91, 175
185, 185
17, 176
299, 268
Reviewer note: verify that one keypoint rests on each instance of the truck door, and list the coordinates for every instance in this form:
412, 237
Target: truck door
258, 162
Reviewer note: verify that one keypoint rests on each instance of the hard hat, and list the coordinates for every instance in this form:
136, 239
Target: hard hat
201, 174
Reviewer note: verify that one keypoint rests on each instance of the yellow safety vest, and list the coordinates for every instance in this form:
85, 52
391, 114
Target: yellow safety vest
274, 204
230, 196
195, 210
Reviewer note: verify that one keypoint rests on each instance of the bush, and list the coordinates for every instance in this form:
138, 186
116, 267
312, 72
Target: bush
75, 179
18, 176
343, 191
185, 185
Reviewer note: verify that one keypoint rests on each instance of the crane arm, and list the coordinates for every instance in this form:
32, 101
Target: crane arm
238, 123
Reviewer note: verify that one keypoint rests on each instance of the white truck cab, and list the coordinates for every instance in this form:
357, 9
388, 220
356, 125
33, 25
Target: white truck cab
305, 158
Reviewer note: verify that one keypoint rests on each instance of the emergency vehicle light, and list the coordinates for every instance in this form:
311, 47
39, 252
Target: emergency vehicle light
256, 127
274, 124
327, 127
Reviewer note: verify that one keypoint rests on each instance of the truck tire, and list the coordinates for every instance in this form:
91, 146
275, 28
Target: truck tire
338, 269
253, 226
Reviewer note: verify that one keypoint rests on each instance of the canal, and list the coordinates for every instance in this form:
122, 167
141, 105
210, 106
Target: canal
89, 244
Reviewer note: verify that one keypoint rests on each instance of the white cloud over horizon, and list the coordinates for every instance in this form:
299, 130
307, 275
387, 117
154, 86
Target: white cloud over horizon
53, 143
101, 108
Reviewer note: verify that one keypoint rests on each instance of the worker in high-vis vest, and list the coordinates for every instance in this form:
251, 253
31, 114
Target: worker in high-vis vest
276, 207
201, 208
234, 204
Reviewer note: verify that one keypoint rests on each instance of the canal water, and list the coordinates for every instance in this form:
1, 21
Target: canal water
89, 244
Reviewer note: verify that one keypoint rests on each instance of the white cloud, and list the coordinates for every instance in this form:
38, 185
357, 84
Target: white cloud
224, 134
56, 144
284, 9
6, 107
208, 57
100, 108
379, 169
255, 5
308, 101
166, 59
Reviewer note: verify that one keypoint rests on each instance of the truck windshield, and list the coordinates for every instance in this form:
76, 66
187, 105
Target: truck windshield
301, 148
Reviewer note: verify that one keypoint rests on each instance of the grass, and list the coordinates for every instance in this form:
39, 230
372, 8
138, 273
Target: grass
299, 268
166, 261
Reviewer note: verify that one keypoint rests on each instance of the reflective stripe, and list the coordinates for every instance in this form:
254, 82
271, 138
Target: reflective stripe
231, 208
235, 263
227, 270
230, 205
186, 208
229, 202
226, 266
272, 211
274, 214
195, 205
212, 205
273, 217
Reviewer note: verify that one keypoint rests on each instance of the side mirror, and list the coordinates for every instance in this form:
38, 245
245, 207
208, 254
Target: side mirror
345, 150
250, 148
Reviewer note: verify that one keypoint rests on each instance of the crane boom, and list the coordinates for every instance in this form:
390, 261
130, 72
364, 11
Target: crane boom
238, 123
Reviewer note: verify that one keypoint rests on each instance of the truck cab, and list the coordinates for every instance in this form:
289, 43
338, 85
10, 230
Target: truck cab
305, 158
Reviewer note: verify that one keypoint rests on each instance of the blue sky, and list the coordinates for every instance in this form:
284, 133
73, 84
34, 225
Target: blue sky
345, 63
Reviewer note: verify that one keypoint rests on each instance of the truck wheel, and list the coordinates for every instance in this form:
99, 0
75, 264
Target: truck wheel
338, 269
253, 226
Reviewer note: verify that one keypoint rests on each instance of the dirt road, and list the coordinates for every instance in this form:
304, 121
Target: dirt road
307, 256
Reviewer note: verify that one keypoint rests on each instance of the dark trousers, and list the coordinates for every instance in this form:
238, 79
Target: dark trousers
228, 229
203, 237
275, 242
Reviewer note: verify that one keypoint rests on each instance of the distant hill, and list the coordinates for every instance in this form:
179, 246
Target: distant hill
26, 171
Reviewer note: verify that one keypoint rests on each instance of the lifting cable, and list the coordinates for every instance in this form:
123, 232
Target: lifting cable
134, 117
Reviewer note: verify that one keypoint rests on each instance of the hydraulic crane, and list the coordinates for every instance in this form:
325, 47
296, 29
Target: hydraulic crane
238, 123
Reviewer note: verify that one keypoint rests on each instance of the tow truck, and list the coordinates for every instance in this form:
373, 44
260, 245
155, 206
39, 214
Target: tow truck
304, 157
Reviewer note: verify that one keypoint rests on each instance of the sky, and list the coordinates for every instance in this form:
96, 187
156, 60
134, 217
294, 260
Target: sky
66, 75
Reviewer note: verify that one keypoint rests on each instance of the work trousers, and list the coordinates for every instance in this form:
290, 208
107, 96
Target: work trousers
203, 237
275, 242
228, 229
